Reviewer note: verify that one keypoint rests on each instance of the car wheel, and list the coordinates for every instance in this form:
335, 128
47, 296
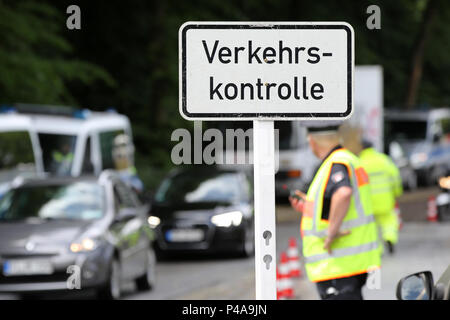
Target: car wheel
111, 291
147, 281
248, 247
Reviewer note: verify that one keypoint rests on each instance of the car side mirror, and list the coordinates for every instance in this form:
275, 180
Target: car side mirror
417, 286
125, 214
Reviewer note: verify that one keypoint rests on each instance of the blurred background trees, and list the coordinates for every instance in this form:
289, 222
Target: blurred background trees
126, 55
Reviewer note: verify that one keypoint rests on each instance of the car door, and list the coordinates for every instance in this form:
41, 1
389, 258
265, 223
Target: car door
130, 229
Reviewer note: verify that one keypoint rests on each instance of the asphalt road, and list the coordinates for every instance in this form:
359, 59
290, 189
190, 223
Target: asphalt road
423, 246
210, 278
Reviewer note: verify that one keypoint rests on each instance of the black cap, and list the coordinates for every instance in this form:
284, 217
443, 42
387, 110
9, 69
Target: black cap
366, 143
323, 126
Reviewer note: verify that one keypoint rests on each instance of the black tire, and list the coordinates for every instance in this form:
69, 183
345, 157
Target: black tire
111, 290
147, 280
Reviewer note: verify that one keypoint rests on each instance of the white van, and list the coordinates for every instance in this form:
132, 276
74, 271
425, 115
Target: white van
30, 135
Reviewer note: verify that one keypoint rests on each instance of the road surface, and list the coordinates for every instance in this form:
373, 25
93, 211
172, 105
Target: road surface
423, 246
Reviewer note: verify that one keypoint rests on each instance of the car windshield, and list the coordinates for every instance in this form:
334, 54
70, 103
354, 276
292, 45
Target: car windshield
199, 186
406, 130
76, 201
15, 150
57, 153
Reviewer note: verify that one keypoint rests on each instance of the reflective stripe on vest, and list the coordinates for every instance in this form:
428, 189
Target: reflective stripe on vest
337, 253
362, 219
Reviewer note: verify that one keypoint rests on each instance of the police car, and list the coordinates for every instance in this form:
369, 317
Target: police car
36, 140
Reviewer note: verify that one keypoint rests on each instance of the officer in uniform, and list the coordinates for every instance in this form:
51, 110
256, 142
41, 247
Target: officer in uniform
385, 186
339, 235
123, 151
62, 159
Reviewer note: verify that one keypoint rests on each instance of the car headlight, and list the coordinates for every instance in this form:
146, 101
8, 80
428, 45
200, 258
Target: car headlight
227, 219
153, 221
87, 244
419, 158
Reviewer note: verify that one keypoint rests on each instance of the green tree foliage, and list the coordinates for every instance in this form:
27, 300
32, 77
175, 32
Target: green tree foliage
15, 148
34, 56
136, 42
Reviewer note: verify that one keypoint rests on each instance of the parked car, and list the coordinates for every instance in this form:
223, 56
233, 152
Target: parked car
421, 286
204, 209
51, 227
425, 137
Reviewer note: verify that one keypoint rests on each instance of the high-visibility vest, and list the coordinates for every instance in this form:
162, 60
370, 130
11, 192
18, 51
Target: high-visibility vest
385, 181
353, 254
396, 177
59, 157
63, 163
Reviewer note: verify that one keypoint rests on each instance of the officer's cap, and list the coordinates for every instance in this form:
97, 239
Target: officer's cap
330, 126
366, 143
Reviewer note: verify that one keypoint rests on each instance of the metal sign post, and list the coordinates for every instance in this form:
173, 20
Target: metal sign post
265, 236
265, 71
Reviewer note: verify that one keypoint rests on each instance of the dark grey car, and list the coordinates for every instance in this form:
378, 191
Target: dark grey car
204, 209
74, 233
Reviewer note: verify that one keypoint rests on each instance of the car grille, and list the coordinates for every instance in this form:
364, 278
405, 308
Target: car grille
55, 277
9, 256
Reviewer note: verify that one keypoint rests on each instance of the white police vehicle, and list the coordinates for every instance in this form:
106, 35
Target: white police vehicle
37, 140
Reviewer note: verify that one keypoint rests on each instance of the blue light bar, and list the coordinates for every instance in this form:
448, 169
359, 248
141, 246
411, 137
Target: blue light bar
7, 109
81, 114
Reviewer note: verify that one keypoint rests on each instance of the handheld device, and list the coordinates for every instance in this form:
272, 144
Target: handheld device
297, 194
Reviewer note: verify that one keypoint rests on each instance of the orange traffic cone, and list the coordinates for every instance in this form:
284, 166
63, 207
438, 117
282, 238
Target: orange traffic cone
287, 287
432, 209
294, 259
280, 286
399, 215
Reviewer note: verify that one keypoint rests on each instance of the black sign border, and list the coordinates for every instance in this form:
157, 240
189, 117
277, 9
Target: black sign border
278, 116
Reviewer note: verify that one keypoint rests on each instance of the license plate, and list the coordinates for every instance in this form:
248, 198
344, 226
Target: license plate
185, 235
27, 267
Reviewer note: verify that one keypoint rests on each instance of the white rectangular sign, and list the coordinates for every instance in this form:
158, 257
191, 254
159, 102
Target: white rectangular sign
266, 70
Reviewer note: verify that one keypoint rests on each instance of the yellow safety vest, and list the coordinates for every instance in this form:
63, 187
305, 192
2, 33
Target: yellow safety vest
385, 181
59, 157
352, 254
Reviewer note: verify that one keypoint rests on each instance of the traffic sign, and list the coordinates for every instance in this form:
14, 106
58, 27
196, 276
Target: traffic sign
266, 70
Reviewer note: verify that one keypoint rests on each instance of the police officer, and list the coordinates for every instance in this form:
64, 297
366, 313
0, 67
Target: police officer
122, 153
385, 186
62, 159
339, 235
